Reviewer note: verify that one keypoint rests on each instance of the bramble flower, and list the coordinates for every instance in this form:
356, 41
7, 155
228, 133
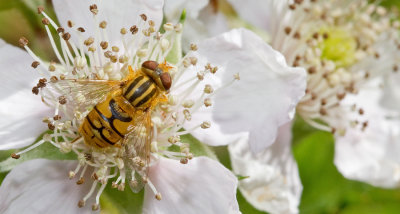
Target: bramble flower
104, 50
102, 45
344, 46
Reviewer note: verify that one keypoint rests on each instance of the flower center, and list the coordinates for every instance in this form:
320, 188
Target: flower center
339, 46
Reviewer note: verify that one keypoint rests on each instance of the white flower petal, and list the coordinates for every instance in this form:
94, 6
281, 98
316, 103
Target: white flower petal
202, 21
201, 186
42, 186
391, 95
372, 155
174, 8
273, 184
21, 112
118, 14
261, 13
265, 96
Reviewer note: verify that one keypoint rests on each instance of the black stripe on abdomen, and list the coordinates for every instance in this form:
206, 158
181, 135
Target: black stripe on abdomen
100, 130
139, 91
132, 85
146, 98
109, 121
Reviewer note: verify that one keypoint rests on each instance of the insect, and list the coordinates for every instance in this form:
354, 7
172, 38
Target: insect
121, 116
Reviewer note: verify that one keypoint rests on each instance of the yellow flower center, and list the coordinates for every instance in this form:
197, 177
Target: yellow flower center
339, 46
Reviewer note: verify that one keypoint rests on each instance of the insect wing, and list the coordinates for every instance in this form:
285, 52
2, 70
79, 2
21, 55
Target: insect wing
137, 148
85, 93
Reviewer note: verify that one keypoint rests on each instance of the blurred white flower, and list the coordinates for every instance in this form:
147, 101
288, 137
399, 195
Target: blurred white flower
344, 45
198, 79
203, 19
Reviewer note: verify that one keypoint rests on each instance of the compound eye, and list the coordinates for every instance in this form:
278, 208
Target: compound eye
166, 80
151, 65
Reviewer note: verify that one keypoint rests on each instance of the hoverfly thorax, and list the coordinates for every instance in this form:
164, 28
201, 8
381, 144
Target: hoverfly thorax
161, 77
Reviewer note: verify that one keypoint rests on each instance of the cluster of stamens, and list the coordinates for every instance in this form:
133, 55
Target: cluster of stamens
342, 44
94, 58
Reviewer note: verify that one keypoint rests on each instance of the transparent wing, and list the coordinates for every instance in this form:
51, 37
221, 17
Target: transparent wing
85, 93
137, 145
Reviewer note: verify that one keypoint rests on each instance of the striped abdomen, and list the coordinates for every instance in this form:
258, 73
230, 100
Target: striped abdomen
109, 121
140, 91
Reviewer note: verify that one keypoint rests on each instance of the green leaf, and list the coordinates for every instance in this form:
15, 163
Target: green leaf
113, 201
325, 190
46, 151
198, 148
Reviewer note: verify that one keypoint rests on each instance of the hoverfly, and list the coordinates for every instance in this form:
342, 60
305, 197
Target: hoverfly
121, 113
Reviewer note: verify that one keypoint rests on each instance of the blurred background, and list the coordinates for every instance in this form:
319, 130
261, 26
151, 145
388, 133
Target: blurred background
325, 189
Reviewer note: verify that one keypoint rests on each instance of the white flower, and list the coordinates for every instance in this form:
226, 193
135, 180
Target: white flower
343, 45
203, 19
110, 48
273, 184
196, 90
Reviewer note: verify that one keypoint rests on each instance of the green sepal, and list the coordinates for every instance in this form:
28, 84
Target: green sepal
242, 177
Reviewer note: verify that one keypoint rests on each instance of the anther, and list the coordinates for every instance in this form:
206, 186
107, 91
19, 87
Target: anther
168, 26
184, 160
200, 75
62, 100
80, 181
312, 70
103, 24
205, 125
151, 23
60, 30
208, 89
115, 48
35, 64
193, 47
123, 31
66, 36
52, 68
81, 203
53, 79
40, 9
15, 156
292, 6
236, 76
23, 41
395, 68
158, 196
51, 126
94, 176
361, 111
144, 17
288, 30
81, 29
207, 102
323, 111
57, 117
187, 115
104, 45
45, 21
93, 9
70, 24
188, 104
89, 41
108, 54
134, 29
121, 187
95, 207
71, 174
